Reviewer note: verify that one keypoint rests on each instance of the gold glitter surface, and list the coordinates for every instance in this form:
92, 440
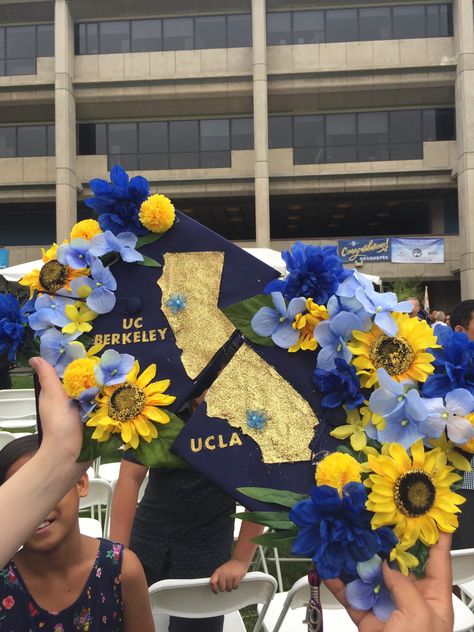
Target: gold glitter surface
201, 328
250, 383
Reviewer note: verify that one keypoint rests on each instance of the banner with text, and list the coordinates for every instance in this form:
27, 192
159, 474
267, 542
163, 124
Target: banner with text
376, 249
417, 250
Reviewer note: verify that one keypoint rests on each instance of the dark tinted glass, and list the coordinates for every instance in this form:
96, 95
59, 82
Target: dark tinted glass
2, 67
308, 27
185, 160
346, 153
178, 34
375, 24
51, 141
372, 128
45, 34
406, 151
280, 131
341, 25
146, 35
92, 43
405, 126
367, 153
451, 216
309, 131
115, 37
101, 139
21, 66
7, 142
446, 19
86, 144
445, 124
433, 25
123, 138
429, 124
278, 29
184, 136
239, 30
31, 140
340, 129
153, 161
2, 43
309, 155
242, 133
210, 32
21, 42
409, 22
128, 161
153, 137
215, 159
215, 135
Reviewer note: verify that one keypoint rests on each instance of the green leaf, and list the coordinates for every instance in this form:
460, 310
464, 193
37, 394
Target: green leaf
148, 261
240, 315
276, 538
147, 239
272, 519
274, 496
157, 452
92, 449
421, 552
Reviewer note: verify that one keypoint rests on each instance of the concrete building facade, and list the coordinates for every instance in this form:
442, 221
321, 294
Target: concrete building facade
267, 120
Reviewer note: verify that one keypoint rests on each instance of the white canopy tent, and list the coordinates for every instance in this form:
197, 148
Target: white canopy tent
14, 273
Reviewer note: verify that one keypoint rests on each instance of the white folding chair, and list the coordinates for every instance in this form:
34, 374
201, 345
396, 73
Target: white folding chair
462, 561
17, 408
90, 527
109, 472
5, 438
194, 599
17, 393
287, 611
99, 500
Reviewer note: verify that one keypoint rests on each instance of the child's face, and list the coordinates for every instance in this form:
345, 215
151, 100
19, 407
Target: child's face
60, 521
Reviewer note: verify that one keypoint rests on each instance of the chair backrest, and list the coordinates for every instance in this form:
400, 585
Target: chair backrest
462, 562
5, 438
99, 498
17, 393
17, 408
194, 599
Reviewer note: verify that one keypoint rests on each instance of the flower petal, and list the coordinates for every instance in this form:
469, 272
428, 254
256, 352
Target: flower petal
265, 321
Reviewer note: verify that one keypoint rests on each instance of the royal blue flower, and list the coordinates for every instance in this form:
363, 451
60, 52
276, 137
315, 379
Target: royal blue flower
335, 532
118, 202
12, 326
382, 306
76, 254
450, 415
369, 591
277, 322
177, 303
333, 336
123, 244
113, 367
454, 364
59, 350
256, 419
313, 272
339, 386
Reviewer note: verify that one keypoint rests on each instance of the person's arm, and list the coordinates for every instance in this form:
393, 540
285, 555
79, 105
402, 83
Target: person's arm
227, 577
28, 496
124, 502
137, 615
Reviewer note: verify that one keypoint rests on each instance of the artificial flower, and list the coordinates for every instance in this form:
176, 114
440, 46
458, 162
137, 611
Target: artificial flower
354, 429
87, 401
49, 312
403, 356
76, 254
305, 322
53, 277
382, 306
12, 326
401, 555
157, 213
337, 304
118, 202
177, 303
313, 272
278, 323
450, 415
413, 493
339, 386
333, 336
349, 287
469, 446
256, 419
337, 470
455, 458
79, 376
123, 244
86, 229
98, 291
369, 592
59, 350
78, 319
113, 367
132, 408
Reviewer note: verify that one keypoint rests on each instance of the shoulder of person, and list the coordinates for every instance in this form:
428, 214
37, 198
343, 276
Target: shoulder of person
132, 569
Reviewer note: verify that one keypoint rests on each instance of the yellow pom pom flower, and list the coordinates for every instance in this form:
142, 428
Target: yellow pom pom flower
79, 376
338, 469
157, 213
86, 229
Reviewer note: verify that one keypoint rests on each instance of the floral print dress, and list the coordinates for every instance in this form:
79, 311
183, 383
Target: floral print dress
98, 608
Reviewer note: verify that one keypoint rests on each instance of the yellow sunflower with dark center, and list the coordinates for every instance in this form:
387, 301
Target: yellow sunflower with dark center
413, 494
403, 356
132, 408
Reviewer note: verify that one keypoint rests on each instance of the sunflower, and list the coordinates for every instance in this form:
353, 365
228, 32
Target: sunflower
131, 408
403, 356
413, 494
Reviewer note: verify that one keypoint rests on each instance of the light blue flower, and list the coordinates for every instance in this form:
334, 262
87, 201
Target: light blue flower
256, 419
337, 304
333, 335
49, 312
350, 285
113, 367
450, 415
75, 254
369, 591
277, 322
176, 303
98, 292
382, 305
123, 244
59, 350
87, 401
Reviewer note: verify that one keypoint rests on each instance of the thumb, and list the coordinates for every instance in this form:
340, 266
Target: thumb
47, 377
403, 590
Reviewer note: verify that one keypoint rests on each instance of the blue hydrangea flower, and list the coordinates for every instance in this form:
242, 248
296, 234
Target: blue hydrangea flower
337, 304
369, 591
382, 306
113, 367
333, 336
177, 303
97, 292
118, 202
336, 532
350, 285
313, 272
59, 350
123, 244
256, 419
278, 322
76, 254
454, 364
49, 312
339, 386
12, 325
87, 402
450, 415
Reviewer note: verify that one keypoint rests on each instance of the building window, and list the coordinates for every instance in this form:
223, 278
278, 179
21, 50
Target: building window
361, 136
155, 145
20, 46
27, 140
359, 24
183, 33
